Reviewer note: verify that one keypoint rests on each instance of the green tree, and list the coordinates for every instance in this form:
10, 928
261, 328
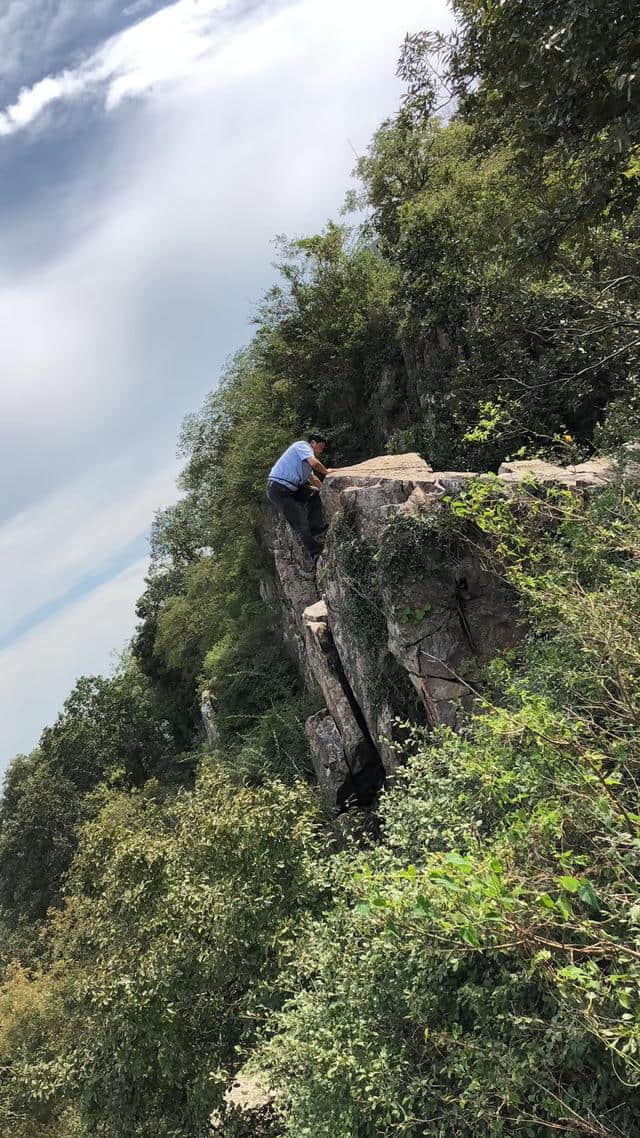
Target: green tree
34, 1028
174, 930
558, 76
108, 729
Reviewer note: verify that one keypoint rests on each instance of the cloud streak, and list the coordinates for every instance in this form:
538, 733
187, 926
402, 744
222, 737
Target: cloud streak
49, 551
46, 662
165, 46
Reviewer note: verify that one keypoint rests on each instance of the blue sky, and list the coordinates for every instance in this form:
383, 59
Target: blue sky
150, 151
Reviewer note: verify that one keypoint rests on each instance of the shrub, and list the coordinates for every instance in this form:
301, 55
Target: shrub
479, 970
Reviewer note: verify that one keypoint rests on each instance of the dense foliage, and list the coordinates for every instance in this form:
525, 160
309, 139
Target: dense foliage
480, 968
108, 730
172, 912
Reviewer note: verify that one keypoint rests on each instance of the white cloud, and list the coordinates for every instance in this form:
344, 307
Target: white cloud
38, 672
32, 100
171, 238
178, 41
165, 46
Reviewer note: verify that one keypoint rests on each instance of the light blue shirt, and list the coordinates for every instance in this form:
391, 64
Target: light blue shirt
292, 468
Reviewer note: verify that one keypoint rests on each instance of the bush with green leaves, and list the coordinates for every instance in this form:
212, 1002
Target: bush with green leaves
518, 322
559, 80
34, 1030
325, 333
109, 730
479, 971
276, 746
166, 956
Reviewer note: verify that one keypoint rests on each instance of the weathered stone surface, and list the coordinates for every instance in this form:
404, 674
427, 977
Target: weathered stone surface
469, 617
386, 486
209, 720
326, 668
317, 611
362, 769
329, 760
399, 472
596, 472
376, 650
289, 588
382, 674
364, 666
321, 658
408, 467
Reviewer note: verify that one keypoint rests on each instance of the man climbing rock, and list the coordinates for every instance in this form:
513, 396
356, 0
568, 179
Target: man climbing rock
293, 488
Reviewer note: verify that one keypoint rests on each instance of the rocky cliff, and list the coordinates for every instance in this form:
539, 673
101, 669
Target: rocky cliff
396, 620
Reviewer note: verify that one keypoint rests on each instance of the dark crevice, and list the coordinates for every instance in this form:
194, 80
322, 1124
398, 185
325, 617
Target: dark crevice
461, 598
364, 784
432, 631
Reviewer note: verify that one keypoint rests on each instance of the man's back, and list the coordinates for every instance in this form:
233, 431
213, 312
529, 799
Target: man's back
292, 468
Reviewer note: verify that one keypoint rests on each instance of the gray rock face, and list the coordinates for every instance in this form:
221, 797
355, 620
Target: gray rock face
359, 772
596, 472
410, 668
364, 664
376, 649
393, 476
326, 667
209, 720
456, 619
329, 761
289, 589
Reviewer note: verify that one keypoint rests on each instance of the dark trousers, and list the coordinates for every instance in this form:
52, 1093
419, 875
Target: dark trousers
303, 510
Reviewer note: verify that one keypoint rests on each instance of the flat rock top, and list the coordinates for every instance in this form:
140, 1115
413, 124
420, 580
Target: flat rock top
413, 468
593, 472
399, 477
406, 467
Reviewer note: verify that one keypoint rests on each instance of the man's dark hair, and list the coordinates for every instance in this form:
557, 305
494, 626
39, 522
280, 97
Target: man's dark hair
316, 437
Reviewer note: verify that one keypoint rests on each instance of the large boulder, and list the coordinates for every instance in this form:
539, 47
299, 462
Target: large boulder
444, 623
345, 756
395, 624
393, 476
410, 644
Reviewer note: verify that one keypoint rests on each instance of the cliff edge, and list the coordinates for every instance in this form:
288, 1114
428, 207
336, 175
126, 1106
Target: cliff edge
396, 620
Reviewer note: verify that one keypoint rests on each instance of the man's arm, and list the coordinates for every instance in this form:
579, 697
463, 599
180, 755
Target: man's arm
317, 465
315, 482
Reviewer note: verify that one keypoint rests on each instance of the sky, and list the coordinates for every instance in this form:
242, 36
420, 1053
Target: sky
149, 154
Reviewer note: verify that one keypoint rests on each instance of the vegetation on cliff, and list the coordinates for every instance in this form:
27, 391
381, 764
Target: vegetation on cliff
171, 913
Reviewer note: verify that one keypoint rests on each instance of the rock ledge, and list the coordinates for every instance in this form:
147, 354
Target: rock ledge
434, 628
